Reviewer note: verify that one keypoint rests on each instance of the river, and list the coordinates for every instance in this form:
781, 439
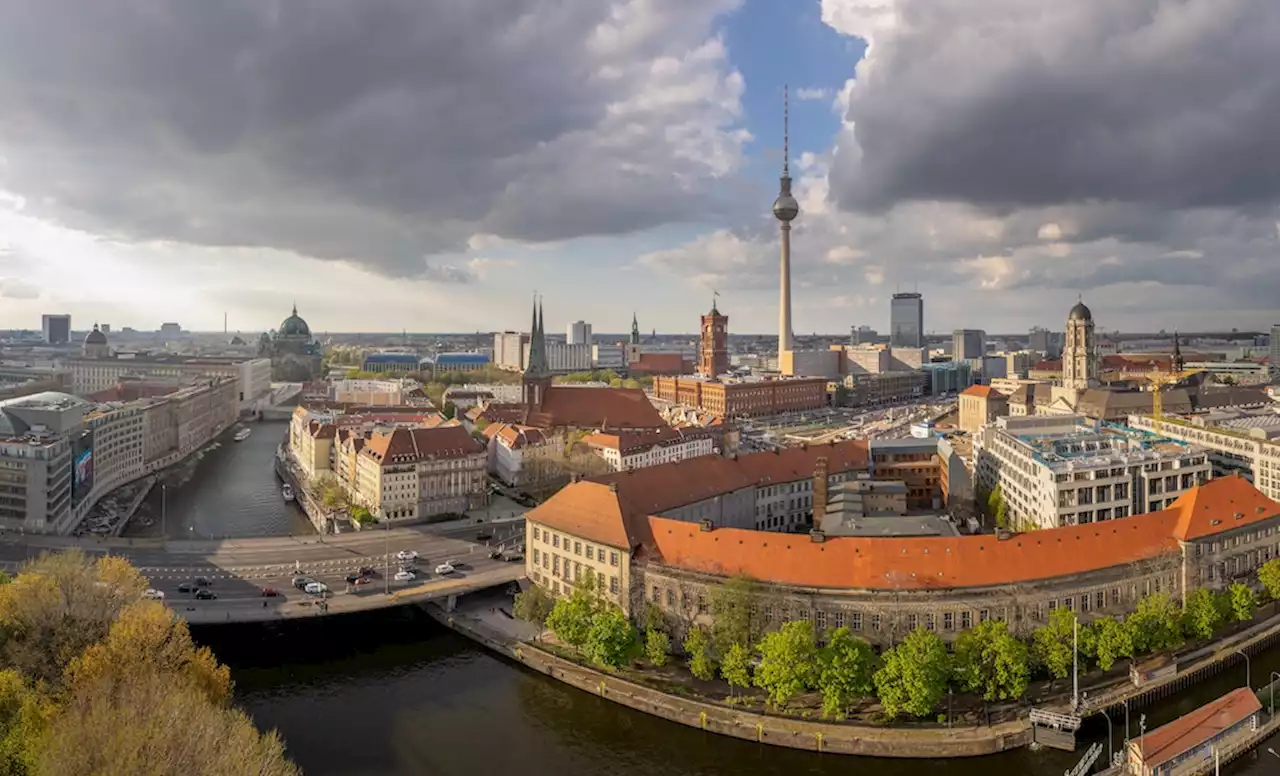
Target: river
229, 491
392, 693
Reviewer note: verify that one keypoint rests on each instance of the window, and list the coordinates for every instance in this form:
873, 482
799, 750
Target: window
555, 540
577, 570
913, 621
591, 552
930, 622
1084, 602
555, 565
1099, 599
1069, 604
536, 533
535, 556
577, 548
702, 604
948, 621
838, 618
875, 622
613, 585
613, 559
966, 620
984, 615
856, 619
820, 620
671, 599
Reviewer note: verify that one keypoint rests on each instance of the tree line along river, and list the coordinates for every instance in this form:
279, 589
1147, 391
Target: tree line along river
392, 693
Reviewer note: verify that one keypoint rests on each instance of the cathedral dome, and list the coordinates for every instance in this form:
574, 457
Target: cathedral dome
294, 326
95, 337
1080, 313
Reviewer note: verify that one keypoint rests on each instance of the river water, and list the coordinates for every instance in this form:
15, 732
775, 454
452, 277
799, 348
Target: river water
392, 693
229, 491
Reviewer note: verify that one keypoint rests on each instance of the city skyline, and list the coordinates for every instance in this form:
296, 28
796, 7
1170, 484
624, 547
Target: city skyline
638, 163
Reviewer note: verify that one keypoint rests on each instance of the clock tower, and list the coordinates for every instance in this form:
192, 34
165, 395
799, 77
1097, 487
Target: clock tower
713, 350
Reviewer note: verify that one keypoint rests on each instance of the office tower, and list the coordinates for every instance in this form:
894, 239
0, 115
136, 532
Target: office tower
578, 333
968, 344
906, 321
56, 329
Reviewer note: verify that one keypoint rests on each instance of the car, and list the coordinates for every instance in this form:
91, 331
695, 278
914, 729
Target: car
368, 571
153, 594
484, 536
405, 576
363, 581
301, 582
203, 582
406, 555
186, 587
512, 556
353, 578
270, 592
443, 568
205, 594
316, 588
495, 554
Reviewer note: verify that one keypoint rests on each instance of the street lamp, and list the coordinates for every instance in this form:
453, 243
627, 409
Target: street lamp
1248, 669
1110, 747
164, 510
386, 557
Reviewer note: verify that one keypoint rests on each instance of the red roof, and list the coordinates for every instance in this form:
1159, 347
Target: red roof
981, 391
1191, 731
408, 445
616, 408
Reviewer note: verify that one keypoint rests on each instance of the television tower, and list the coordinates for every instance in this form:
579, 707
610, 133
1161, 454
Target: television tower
785, 209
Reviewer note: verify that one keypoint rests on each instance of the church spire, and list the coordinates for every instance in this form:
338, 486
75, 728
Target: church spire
635, 329
537, 366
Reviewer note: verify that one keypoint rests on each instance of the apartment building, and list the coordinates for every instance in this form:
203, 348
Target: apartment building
634, 450
979, 405
1238, 442
92, 375
414, 473
1067, 470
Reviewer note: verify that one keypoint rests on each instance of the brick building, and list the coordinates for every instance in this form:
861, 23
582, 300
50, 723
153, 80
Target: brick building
745, 397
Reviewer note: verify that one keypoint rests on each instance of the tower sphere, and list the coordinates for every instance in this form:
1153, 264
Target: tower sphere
785, 207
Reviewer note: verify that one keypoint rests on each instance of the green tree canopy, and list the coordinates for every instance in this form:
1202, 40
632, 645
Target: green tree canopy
1107, 640
731, 604
1269, 576
845, 667
611, 639
570, 618
991, 662
788, 661
1243, 602
1155, 624
1202, 614
913, 677
657, 646
534, 605
1053, 646
736, 667
698, 644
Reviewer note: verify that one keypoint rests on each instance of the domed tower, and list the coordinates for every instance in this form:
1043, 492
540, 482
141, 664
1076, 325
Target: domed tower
1080, 351
95, 344
785, 209
294, 327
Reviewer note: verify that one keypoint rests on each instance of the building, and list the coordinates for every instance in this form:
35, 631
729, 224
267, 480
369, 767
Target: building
95, 344
1068, 470
979, 405
564, 358
407, 474
46, 461
906, 320
1188, 743
644, 549
578, 333
869, 359
611, 357
93, 375
1236, 444
624, 450
887, 388
295, 356
785, 209
514, 452
1018, 364
862, 335
713, 347
1080, 362
947, 377
968, 344
743, 397
546, 406
1273, 364
376, 393
389, 362
461, 362
508, 350
56, 329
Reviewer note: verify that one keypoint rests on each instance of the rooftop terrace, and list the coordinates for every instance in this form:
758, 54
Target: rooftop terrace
1098, 445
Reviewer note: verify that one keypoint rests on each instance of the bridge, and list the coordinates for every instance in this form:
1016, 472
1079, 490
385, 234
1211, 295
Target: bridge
239, 569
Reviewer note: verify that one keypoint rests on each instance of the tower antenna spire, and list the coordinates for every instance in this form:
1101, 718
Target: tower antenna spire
786, 131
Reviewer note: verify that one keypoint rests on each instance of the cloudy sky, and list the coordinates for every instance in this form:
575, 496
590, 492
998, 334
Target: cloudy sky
428, 164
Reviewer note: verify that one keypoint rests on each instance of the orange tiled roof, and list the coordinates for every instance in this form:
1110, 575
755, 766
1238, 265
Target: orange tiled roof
1192, 730
981, 391
615, 408
589, 510
407, 445
1223, 504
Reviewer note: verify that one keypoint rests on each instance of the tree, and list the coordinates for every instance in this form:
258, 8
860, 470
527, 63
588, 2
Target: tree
1154, 624
24, 718
58, 605
736, 667
1202, 614
1269, 576
1107, 641
570, 618
657, 646
913, 677
991, 662
698, 645
998, 509
731, 604
1053, 646
611, 639
1243, 602
534, 605
788, 661
449, 410
845, 667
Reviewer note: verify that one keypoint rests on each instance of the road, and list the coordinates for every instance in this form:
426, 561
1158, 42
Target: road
239, 569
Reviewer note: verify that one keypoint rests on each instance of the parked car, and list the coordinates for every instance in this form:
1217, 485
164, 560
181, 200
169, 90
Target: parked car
153, 594
301, 582
484, 536
406, 555
203, 582
443, 569
316, 588
270, 592
405, 576
514, 555
205, 594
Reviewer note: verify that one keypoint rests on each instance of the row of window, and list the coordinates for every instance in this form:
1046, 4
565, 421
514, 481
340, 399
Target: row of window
571, 570
579, 548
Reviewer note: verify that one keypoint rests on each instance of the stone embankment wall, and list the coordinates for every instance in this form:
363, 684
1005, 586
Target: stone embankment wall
777, 731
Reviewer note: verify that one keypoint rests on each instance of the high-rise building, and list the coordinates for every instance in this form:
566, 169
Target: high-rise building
1080, 353
785, 209
508, 350
968, 344
713, 349
56, 329
906, 320
1274, 365
578, 333
862, 335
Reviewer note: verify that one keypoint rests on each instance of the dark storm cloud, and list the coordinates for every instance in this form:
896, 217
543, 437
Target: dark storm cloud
1012, 103
377, 131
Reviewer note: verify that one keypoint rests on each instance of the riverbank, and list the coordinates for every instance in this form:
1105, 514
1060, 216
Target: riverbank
514, 639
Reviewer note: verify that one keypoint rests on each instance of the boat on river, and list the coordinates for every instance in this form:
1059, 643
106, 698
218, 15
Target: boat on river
242, 434
287, 492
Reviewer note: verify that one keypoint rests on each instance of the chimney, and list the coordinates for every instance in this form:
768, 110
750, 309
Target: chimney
707, 526
819, 492
817, 536
613, 487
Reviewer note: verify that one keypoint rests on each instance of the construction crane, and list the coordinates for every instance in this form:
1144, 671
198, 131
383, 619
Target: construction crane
1159, 381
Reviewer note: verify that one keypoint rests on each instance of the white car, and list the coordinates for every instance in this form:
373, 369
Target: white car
316, 588
406, 555
405, 576
445, 568
153, 594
